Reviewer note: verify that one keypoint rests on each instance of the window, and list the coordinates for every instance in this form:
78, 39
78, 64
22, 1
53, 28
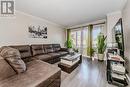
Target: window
78, 34
73, 36
95, 33
76, 38
79, 38
84, 46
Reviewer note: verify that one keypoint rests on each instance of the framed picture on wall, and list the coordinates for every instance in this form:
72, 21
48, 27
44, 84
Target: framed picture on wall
37, 31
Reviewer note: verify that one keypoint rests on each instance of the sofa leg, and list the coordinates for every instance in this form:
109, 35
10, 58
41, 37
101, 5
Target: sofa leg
80, 59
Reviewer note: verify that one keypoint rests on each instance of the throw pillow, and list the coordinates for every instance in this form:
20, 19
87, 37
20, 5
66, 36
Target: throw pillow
13, 57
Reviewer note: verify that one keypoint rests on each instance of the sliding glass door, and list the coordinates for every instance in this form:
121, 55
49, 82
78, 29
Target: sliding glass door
76, 38
73, 37
80, 38
95, 32
84, 38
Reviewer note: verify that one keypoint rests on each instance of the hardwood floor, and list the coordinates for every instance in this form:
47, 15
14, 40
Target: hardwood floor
88, 74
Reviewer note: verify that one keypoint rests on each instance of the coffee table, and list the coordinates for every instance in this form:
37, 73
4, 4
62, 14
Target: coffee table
69, 62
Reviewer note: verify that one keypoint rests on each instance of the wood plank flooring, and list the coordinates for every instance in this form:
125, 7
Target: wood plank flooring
88, 74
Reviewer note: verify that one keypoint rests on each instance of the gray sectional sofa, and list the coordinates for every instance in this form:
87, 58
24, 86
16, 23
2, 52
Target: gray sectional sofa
39, 72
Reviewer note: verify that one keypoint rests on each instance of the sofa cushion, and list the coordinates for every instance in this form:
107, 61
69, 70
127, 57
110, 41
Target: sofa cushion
26, 60
13, 57
37, 49
6, 70
39, 74
48, 48
54, 54
44, 57
56, 47
24, 50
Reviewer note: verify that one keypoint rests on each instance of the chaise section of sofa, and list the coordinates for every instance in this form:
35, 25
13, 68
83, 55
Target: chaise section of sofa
38, 74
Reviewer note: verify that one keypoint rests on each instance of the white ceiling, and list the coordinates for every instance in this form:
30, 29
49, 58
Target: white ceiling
69, 12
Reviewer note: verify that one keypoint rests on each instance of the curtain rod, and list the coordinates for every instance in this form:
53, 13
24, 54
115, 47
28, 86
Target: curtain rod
87, 25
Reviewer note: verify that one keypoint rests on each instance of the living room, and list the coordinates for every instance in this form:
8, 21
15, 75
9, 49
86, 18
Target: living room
63, 43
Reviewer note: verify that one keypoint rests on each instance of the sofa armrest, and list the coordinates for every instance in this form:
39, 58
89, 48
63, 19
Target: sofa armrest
64, 49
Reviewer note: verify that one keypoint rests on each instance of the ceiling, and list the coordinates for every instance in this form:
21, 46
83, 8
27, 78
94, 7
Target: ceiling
69, 12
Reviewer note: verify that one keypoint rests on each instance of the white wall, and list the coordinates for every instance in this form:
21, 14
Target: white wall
15, 30
112, 19
126, 23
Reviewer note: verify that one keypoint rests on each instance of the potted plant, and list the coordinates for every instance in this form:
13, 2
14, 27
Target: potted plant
69, 45
101, 46
90, 51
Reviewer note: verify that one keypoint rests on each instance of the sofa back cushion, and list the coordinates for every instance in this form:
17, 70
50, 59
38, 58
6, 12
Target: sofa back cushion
13, 57
6, 70
37, 50
48, 48
56, 47
24, 50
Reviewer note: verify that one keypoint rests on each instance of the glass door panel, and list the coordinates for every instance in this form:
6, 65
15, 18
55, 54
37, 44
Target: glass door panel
78, 45
73, 36
79, 38
85, 34
95, 33
76, 38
